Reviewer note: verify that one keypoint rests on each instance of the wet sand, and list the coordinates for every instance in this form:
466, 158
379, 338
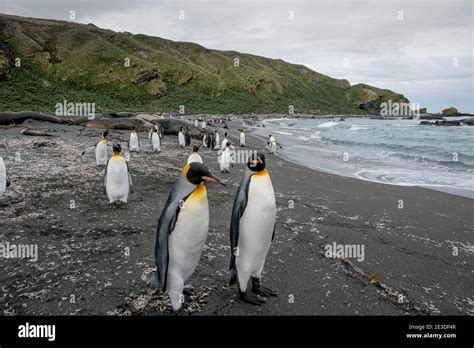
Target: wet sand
95, 260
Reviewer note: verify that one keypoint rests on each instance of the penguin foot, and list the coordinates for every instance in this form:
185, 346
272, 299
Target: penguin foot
258, 289
187, 293
154, 282
181, 312
254, 300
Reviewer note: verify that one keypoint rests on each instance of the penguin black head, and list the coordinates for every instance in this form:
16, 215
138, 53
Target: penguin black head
256, 161
134, 129
225, 135
195, 148
197, 173
117, 148
155, 130
105, 134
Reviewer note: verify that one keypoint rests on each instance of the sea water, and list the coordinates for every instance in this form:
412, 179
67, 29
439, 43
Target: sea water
398, 152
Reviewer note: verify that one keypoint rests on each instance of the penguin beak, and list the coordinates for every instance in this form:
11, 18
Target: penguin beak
213, 180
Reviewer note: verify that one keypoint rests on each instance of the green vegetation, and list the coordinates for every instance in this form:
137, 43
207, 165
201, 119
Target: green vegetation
125, 72
450, 111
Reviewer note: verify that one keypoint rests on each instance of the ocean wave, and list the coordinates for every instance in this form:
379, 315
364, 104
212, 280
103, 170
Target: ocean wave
356, 127
282, 133
430, 160
328, 124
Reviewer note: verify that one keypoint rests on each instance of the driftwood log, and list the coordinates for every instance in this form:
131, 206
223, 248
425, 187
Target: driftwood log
36, 133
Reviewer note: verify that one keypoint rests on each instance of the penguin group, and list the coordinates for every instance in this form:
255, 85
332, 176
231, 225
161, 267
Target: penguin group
183, 224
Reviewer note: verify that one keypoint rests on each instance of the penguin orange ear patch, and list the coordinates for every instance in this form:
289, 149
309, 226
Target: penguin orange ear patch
186, 169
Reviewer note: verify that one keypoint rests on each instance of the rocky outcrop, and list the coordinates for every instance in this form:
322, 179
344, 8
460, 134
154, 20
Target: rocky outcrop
468, 122
450, 111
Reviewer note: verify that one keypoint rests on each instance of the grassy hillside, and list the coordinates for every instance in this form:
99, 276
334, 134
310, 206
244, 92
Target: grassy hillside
121, 71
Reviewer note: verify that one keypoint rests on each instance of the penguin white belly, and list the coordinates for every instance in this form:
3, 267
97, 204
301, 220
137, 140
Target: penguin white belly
225, 160
101, 153
224, 142
181, 139
256, 226
217, 141
242, 139
194, 158
155, 142
134, 142
3, 177
186, 242
272, 147
118, 185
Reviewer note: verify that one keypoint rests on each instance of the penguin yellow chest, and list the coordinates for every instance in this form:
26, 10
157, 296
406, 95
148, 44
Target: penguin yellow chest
192, 225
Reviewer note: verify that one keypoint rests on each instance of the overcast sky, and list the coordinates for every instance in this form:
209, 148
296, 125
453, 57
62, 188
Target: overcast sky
423, 49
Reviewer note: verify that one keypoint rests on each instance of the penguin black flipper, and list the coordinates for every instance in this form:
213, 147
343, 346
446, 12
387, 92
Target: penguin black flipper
240, 203
8, 179
166, 225
105, 177
88, 149
129, 177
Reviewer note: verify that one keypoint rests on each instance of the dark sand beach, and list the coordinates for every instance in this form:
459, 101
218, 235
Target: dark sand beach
94, 260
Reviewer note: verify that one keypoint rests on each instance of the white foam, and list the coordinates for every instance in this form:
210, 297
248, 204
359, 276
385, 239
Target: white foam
356, 127
328, 124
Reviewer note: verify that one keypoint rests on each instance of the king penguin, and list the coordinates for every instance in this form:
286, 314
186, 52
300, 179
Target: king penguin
252, 229
134, 142
117, 179
242, 138
100, 150
182, 232
195, 157
155, 141
187, 137
181, 139
4, 179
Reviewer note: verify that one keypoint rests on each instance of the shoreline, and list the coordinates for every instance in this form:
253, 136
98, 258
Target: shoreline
456, 191
81, 251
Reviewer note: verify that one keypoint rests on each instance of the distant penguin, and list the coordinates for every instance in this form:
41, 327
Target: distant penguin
155, 141
181, 233
252, 229
181, 140
196, 123
117, 180
4, 178
242, 138
272, 144
187, 137
226, 159
134, 142
224, 142
194, 157
217, 139
100, 150
203, 124
211, 142
204, 140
